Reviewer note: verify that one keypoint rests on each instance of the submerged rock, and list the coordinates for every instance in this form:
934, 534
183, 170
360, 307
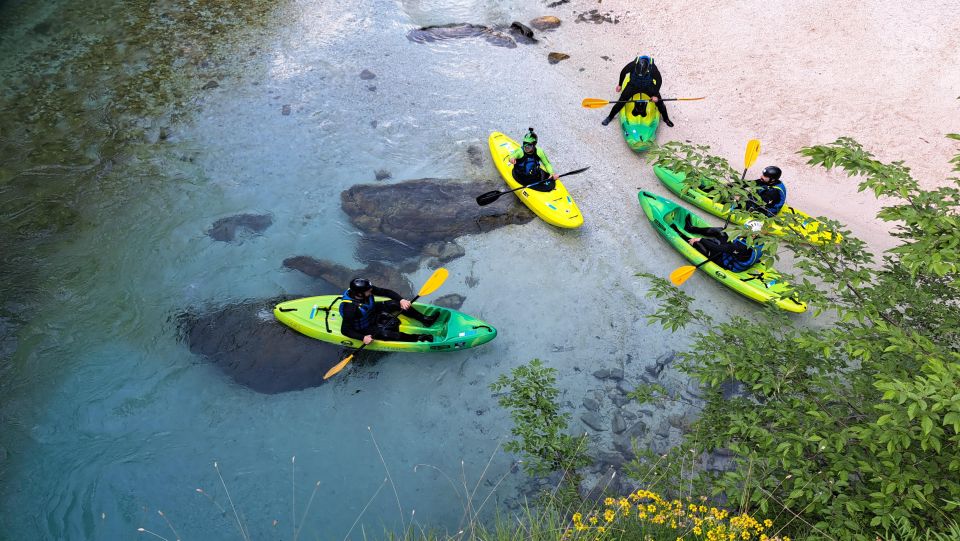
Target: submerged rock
418, 212
367, 75
227, 229
547, 22
256, 351
378, 247
452, 300
475, 155
522, 33
429, 34
332, 273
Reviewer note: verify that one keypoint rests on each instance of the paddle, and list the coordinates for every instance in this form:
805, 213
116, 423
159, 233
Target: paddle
596, 103
436, 279
490, 197
682, 274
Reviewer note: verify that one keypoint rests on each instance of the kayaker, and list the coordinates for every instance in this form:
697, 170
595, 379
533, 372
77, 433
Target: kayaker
367, 320
530, 165
644, 76
770, 191
735, 255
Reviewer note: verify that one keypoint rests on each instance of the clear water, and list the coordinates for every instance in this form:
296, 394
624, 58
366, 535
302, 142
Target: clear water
108, 418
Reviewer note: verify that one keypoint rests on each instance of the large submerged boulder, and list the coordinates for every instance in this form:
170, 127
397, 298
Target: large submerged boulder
229, 228
427, 34
419, 212
333, 273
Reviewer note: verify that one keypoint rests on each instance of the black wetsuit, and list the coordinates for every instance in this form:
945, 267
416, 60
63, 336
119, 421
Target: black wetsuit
648, 83
362, 317
734, 255
773, 195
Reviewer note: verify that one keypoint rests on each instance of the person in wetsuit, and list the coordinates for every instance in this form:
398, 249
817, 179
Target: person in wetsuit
367, 320
734, 255
771, 192
644, 77
530, 165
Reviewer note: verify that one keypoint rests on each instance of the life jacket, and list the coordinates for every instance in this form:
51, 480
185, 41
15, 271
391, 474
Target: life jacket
642, 80
528, 164
365, 308
736, 264
775, 209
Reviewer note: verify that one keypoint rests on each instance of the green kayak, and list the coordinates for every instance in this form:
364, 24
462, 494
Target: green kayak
319, 317
759, 283
639, 131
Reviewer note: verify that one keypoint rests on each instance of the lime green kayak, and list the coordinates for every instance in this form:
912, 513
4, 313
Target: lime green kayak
639, 131
759, 282
319, 317
808, 227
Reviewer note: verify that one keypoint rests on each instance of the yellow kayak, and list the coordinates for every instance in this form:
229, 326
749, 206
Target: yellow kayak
555, 207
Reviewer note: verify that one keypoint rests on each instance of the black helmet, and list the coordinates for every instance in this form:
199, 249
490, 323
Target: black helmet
359, 286
643, 64
772, 172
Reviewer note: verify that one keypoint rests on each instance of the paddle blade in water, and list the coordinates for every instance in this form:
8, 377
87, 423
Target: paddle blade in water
594, 103
338, 367
487, 198
682, 274
436, 280
753, 150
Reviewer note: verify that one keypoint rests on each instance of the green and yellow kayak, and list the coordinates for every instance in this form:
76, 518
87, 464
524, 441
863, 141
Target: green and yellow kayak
809, 228
639, 131
319, 317
759, 283
555, 207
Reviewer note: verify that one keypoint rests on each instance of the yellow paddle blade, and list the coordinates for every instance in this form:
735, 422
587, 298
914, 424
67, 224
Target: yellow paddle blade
436, 280
682, 274
691, 99
338, 367
753, 150
594, 103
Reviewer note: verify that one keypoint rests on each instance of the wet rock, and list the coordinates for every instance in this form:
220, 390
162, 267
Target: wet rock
636, 430
594, 16
382, 174
663, 429
332, 273
626, 387
628, 415
591, 405
418, 212
693, 390
611, 459
522, 33
593, 420
452, 300
428, 34
617, 424
475, 155
553, 58
379, 247
608, 483
372, 88
367, 75
682, 420
720, 460
252, 348
558, 3
662, 361
660, 446
731, 389
285, 110
227, 229
624, 445
620, 400
603, 373
547, 22
616, 374
444, 251
210, 84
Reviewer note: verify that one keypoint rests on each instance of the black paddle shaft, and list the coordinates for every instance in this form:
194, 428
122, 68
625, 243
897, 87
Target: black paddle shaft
490, 197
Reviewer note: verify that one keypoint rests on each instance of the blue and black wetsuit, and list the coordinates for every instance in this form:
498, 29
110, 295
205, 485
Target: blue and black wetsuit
365, 316
533, 167
649, 83
773, 195
735, 255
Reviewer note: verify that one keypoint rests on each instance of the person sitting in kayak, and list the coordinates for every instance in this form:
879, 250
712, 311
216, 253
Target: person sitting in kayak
531, 166
367, 320
771, 192
735, 255
644, 76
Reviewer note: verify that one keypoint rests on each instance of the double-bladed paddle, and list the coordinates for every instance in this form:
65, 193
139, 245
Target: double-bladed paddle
490, 197
596, 103
436, 279
682, 274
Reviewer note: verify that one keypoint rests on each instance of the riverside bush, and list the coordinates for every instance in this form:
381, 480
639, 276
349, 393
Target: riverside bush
851, 423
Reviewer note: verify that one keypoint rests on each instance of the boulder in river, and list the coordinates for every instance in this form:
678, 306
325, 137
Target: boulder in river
428, 34
227, 229
333, 273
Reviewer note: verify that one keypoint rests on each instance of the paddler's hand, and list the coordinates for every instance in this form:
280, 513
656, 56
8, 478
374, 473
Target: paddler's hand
618, 88
367, 339
694, 240
513, 161
654, 99
555, 176
404, 304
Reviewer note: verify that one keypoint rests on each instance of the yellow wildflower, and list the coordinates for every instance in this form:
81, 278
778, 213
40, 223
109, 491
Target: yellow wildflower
608, 515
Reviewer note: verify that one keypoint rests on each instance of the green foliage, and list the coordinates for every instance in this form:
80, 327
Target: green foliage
851, 423
539, 427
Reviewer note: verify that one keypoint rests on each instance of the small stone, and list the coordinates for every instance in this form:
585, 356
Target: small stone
366, 75
522, 29
547, 22
618, 425
626, 387
372, 88
603, 373
591, 404
382, 174
593, 420
616, 373
553, 58
211, 84
636, 430
285, 110
662, 361
620, 400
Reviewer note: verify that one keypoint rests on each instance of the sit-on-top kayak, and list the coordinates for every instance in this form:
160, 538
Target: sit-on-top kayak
759, 282
639, 131
808, 227
555, 207
319, 317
